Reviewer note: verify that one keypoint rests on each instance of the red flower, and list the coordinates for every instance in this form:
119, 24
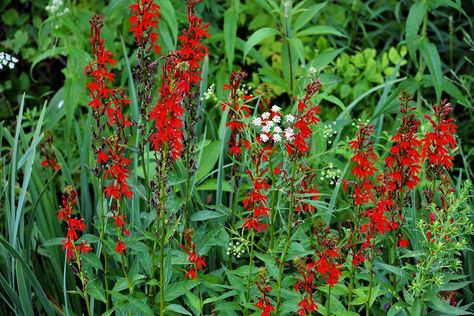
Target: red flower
49, 156
144, 20
237, 111
74, 225
438, 143
84, 247
403, 243
263, 302
306, 117
256, 200
196, 262
120, 247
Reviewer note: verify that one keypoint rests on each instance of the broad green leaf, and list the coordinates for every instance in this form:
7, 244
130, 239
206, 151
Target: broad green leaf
230, 34
178, 309
257, 37
414, 19
205, 215
431, 56
96, 290
307, 15
319, 30
396, 308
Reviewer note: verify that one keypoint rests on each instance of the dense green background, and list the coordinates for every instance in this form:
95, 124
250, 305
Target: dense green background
365, 52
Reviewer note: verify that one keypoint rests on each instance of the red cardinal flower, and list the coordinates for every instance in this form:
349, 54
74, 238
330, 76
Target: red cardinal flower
73, 225
144, 22
196, 262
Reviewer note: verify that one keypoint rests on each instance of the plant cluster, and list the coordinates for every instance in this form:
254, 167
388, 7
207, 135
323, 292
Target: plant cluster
243, 193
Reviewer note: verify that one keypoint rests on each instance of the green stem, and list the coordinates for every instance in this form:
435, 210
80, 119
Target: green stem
145, 174
371, 276
283, 255
125, 273
83, 281
162, 232
249, 279
354, 251
329, 299
104, 250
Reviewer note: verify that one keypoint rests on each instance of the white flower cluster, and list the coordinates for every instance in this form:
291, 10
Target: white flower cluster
236, 249
210, 93
7, 60
331, 173
329, 131
312, 72
56, 7
272, 126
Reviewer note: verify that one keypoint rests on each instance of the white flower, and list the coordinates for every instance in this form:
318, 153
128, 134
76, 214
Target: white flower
270, 124
257, 121
265, 115
277, 137
7, 60
289, 133
264, 138
266, 129
276, 119
276, 108
290, 118
277, 130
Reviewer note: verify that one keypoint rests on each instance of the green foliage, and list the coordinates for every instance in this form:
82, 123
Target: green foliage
365, 52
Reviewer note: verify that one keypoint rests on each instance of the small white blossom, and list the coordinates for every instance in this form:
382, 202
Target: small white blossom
209, 94
277, 137
7, 60
270, 124
257, 121
290, 118
276, 119
276, 108
277, 130
266, 115
289, 133
264, 138
266, 129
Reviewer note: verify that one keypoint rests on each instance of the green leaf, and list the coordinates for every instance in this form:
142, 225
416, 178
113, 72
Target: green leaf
319, 30
30, 276
257, 37
325, 58
431, 56
414, 19
205, 215
96, 290
231, 16
210, 154
178, 309
396, 308
308, 15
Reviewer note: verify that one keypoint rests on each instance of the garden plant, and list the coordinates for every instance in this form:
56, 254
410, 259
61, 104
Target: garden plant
254, 157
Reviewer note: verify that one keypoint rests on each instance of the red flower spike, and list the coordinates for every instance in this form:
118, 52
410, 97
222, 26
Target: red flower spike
73, 225
196, 262
438, 143
144, 22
